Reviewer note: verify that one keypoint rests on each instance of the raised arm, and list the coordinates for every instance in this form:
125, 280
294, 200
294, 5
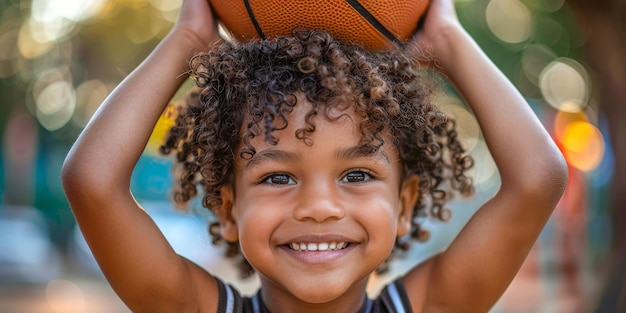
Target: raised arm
133, 254
473, 272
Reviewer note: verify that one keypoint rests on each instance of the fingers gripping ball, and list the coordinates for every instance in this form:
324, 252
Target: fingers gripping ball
375, 24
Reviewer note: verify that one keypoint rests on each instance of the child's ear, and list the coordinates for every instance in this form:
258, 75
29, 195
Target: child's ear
228, 225
409, 192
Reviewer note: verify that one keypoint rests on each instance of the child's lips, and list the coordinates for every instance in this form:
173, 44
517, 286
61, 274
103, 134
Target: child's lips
321, 246
318, 249
319, 256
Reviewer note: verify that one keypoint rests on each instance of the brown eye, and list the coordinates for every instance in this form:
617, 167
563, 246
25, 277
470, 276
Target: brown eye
356, 177
279, 179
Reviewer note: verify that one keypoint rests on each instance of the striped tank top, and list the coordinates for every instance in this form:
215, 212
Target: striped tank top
392, 299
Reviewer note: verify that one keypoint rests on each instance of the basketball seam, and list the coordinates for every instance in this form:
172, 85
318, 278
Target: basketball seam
257, 27
359, 8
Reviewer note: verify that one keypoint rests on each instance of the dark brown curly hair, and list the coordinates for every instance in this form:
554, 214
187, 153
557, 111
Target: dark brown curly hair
256, 83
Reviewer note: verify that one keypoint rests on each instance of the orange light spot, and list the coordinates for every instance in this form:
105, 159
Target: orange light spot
584, 145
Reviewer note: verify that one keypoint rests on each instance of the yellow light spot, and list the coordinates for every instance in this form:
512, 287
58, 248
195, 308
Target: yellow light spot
584, 145
564, 119
162, 127
30, 42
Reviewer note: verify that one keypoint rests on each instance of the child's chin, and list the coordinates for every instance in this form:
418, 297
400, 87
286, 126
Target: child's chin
319, 298
331, 292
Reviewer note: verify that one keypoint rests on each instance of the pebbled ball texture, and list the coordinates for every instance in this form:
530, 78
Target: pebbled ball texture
355, 21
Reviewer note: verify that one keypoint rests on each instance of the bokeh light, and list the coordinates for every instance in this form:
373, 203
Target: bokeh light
484, 172
89, 96
584, 145
565, 85
509, 20
65, 297
535, 58
165, 5
52, 11
468, 130
469, 135
54, 98
55, 105
602, 175
52, 20
563, 119
32, 41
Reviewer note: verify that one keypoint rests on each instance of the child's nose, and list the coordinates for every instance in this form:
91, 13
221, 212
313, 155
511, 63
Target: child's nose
319, 202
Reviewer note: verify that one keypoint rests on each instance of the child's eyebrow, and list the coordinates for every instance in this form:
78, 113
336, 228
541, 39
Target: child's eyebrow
271, 155
344, 153
361, 151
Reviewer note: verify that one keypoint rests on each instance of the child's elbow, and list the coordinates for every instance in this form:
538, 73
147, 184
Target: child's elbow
558, 173
77, 179
70, 176
541, 178
551, 178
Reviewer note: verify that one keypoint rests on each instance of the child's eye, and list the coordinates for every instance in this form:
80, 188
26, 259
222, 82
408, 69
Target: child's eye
358, 176
279, 179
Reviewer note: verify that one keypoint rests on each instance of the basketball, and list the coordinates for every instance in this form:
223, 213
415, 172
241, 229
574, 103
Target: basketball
375, 24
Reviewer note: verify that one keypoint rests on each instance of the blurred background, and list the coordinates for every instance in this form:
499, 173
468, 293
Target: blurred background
60, 58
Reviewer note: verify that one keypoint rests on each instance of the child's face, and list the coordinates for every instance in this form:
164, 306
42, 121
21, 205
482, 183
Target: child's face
326, 196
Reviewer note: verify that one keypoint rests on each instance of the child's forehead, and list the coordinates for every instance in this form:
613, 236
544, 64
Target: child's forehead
337, 110
319, 121
312, 127
294, 110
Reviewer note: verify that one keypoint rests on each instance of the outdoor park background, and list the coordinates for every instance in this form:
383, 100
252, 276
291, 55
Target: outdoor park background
60, 58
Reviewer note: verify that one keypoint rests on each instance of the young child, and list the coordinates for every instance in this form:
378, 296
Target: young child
315, 157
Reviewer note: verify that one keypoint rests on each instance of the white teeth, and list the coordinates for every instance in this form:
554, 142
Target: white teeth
322, 246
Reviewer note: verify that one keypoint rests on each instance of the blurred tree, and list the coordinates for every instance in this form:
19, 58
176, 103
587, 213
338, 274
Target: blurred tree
605, 54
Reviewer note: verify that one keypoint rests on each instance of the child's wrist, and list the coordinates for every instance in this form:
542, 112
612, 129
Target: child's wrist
451, 43
187, 40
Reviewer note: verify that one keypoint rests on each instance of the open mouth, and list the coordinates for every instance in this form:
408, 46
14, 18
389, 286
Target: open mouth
321, 246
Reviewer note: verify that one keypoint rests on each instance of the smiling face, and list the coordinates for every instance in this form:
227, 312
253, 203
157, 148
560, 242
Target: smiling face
316, 219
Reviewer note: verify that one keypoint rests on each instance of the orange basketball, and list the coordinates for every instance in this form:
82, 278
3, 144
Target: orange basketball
375, 24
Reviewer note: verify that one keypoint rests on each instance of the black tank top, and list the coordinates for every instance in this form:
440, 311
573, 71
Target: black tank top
392, 299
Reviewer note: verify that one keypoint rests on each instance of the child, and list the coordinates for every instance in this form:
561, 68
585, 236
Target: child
314, 162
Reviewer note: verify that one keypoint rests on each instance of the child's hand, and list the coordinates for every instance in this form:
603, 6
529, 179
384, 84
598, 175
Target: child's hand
433, 39
196, 21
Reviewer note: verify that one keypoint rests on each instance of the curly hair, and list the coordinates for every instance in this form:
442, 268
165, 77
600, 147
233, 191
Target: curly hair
256, 83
